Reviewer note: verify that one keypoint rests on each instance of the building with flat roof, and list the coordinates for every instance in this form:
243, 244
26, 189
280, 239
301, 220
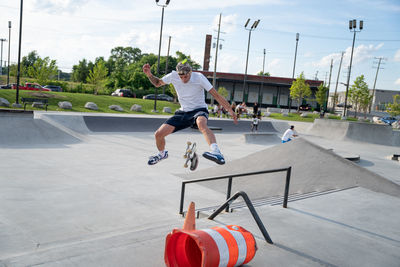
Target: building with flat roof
379, 101
266, 91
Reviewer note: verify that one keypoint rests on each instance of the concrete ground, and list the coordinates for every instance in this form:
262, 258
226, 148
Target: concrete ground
76, 190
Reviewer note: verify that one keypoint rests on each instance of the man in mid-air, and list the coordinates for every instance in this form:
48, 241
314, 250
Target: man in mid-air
189, 87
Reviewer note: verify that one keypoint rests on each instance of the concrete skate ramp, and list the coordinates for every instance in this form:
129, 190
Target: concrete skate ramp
148, 124
72, 123
261, 138
358, 131
18, 130
313, 169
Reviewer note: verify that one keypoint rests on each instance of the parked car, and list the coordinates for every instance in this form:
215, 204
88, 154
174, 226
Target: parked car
341, 105
305, 107
5, 86
30, 86
54, 88
388, 120
165, 97
123, 93
162, 97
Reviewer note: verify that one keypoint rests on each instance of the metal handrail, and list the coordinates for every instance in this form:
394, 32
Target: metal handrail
230, 177
252, 211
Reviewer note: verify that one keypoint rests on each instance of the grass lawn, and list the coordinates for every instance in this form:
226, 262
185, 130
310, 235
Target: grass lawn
78, 102
294, 117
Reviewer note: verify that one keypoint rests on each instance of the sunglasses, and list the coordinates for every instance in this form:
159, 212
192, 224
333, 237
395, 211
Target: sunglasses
183, 74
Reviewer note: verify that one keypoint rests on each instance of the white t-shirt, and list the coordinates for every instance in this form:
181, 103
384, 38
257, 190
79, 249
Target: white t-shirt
190, 94
288, 134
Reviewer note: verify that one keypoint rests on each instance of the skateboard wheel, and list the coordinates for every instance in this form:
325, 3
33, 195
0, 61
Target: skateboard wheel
189, 143
185, 165
185, 156
189, 151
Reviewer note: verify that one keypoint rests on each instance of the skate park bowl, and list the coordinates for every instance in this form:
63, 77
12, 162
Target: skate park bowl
356, 131
74, 193
261, 138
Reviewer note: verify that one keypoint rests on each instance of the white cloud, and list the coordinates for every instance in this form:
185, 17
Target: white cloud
52, 6
397, 56
228, 24
397, 82
361, 53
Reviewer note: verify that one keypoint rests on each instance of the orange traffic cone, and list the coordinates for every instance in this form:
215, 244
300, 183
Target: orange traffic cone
190, 221
229, 245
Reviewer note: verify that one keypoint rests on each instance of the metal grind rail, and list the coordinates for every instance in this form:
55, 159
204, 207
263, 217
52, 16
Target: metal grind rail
230, 179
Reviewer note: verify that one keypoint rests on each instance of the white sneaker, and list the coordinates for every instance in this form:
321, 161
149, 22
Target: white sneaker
155, 159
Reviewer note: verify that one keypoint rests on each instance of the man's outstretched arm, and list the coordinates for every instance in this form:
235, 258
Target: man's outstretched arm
153, 79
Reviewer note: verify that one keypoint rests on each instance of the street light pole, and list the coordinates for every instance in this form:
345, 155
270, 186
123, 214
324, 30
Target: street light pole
9, 45
19, 52
253, 27
352, 27
159, 50
166, 62
1, 57
294, 68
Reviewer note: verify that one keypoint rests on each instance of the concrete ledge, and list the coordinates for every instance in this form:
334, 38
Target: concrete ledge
16, 112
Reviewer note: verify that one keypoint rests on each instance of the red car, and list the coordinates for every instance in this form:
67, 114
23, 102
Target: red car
31, 86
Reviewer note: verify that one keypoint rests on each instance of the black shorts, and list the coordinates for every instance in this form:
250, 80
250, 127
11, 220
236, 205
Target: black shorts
182, 120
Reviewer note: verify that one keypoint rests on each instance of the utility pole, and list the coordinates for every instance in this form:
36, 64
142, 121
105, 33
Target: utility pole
216, 57
376, 76
294, 68
329, 84
166, 62
262, 82
337, 83
316, 76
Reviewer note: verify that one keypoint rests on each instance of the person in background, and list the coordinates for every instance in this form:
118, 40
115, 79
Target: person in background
254, 123
255, 109
289, 134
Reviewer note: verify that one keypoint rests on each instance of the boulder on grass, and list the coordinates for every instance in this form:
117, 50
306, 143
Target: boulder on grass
116, 108
91, 106
4, 102
136, 107
65, 105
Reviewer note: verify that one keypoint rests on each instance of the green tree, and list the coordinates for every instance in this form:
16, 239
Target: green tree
181, 56
118, 63
266, 74
43, 70
223, 92
394, 108
80, 72
300, 90
320, 95
359, 95
97, 76
28, 61
172, 91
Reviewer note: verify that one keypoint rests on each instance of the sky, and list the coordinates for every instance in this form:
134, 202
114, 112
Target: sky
70, 30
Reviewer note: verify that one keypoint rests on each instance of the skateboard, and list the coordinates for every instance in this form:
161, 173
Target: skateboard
190, 155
